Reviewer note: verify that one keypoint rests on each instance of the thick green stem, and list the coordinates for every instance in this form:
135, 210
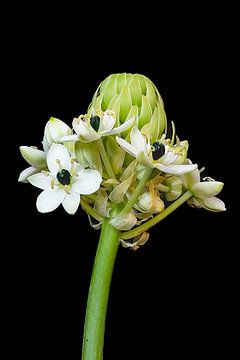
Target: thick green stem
145, 226
98, 293
132, 201
105, 159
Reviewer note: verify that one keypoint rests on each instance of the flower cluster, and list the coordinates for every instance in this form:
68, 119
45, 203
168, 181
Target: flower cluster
126, 171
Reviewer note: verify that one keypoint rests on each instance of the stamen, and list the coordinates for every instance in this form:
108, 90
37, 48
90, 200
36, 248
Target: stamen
52, 184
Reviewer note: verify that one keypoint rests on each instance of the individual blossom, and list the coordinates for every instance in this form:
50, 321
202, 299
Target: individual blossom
204, 192
92, 128
64, 181
54, 130
160, 155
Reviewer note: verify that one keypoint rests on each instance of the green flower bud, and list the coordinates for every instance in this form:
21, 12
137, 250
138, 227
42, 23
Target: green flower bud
132, 95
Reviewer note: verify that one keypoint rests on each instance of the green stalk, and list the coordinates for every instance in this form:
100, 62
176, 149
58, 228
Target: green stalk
94, 327
89, 210
132, 201
148, 224
105, 159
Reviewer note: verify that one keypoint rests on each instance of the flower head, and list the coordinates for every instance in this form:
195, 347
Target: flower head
161, 155
64, 182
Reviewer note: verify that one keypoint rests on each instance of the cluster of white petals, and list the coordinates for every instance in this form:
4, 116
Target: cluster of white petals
105, 161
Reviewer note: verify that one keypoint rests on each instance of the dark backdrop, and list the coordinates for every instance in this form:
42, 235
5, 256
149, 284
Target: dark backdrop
174, 295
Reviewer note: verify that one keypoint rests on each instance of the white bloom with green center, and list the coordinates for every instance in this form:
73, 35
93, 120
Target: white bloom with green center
159, 155
64, 182
93, 128
204, 192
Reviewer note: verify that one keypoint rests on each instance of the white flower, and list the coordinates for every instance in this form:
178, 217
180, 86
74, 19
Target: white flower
64, 182
88, 130
34, 157
203, 191
54, 130
161, 156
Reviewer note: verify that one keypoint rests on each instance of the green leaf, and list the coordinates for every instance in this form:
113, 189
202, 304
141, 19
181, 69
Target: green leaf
135, 91
151, 94
119, 192
109, 92
125, 103
121, 82
133, 113
146, 112
142, 83
116, 154
88, 155
162, 120
153, 127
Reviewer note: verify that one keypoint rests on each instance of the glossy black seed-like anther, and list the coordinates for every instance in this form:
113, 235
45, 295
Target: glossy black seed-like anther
158, 151
64, 177
95, 122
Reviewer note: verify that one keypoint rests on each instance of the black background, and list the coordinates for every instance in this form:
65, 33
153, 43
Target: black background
174, 296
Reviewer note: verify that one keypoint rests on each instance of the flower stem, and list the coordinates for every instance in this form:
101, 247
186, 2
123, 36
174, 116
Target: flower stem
89, 210
98, 293
145, 226
105, 159
128, 207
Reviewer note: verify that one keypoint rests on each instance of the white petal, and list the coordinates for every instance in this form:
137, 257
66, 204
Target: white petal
145, 201
126, 146
120, 128
56, 155
192, 178
45, 144
85, 131
124, 222
100, 204
24, 175
33, 156
143, 159
57, 129
138, 141
168, 158
87, 182
69, 138
50, 199
118, 193
71, 202
40, 180
95, 225
175, 169
214, 204
207, 189
107, 122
